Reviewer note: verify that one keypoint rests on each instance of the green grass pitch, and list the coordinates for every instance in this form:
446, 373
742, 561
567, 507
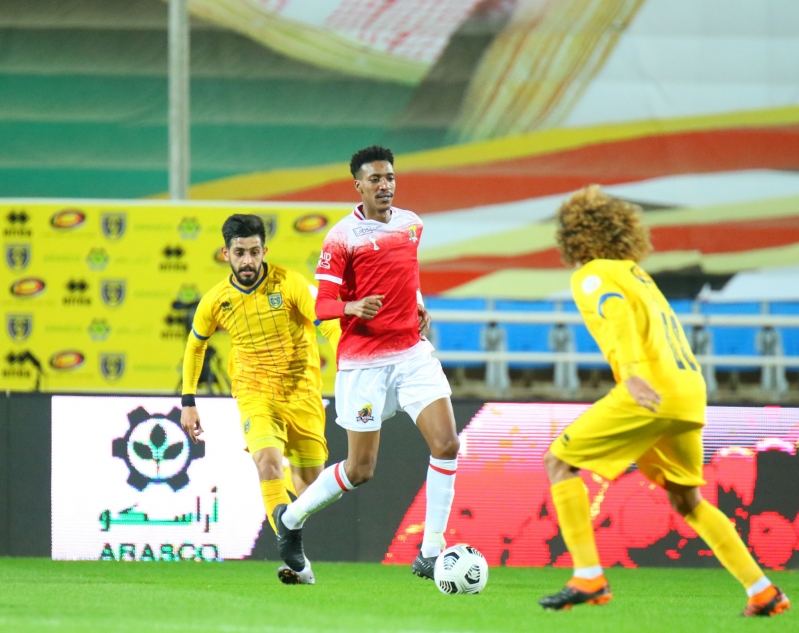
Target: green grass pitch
246, 597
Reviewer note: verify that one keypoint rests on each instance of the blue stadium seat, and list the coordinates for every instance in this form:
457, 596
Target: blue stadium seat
790, 335
739, 341
457, 337
583, 340
526, 337
682, 306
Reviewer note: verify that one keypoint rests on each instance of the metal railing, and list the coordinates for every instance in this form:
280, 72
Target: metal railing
574, 318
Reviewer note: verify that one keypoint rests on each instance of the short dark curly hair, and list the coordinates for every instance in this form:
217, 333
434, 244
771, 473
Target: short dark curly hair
369, 155
594, 225
243, 225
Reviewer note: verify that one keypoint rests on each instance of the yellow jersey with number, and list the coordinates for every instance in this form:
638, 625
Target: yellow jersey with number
639, 334
272, 330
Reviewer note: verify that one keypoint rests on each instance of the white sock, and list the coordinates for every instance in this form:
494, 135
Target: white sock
328, 487
759, 586
440, 492
588, 572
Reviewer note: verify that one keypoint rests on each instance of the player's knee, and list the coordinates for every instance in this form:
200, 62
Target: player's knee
360, 473
556, 468
268, 471
268, 467
446, 449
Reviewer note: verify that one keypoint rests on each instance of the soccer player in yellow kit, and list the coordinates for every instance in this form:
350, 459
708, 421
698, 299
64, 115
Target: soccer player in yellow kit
274, 365
653, 416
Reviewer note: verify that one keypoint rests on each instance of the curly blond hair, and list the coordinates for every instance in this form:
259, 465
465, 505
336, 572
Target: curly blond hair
594, 225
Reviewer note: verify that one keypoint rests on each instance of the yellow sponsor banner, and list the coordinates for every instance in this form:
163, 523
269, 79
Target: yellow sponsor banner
98, 296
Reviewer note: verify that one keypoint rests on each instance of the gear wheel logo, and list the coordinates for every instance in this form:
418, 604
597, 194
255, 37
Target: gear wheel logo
157, 450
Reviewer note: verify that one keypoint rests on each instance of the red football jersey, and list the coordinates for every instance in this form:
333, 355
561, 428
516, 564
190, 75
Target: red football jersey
366, 257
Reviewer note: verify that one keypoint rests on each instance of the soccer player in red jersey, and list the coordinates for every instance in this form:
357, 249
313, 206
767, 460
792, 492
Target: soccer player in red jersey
369, 261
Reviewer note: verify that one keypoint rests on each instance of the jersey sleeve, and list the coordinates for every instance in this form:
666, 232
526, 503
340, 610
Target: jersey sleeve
305, 300
334, 257
203, 326
596, 293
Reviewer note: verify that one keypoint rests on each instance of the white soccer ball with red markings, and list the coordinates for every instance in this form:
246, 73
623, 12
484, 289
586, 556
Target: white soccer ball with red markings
461, 569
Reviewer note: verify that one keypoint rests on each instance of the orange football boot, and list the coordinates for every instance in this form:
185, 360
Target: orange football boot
579, 591
770, 601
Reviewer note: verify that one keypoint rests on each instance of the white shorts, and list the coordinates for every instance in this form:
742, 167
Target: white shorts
366, 397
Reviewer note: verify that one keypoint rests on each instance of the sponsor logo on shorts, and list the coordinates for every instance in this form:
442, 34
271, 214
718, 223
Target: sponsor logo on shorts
564, 438
365, 414
247, 425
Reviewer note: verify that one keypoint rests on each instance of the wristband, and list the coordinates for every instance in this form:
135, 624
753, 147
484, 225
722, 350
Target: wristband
187, 400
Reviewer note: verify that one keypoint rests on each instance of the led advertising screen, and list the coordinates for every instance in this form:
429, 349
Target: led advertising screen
503, 505
128, 484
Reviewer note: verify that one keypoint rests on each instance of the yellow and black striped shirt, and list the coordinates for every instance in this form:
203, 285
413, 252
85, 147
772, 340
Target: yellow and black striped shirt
271, 325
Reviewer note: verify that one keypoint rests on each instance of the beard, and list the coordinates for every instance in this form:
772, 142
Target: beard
243, 281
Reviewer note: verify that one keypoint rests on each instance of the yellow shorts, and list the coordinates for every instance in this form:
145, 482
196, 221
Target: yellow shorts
296, 428
607, 438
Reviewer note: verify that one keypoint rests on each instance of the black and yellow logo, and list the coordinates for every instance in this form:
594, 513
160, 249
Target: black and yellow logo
18, 256
112, 292
112, 366
113, 224
19, 326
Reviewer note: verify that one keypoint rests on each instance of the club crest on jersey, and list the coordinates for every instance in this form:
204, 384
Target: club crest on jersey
412, 234
19, 326
112, 366
18, 256
640, 275
365, 414
275, 300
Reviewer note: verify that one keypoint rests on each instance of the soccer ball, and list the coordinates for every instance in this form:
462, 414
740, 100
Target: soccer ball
461, 569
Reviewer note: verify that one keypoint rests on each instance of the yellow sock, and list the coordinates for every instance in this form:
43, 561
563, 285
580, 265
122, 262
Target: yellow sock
719, 533
574, 516
289, 480
274, 493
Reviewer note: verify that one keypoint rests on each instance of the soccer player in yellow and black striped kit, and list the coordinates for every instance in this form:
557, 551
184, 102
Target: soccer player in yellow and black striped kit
274, 365
654, 415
